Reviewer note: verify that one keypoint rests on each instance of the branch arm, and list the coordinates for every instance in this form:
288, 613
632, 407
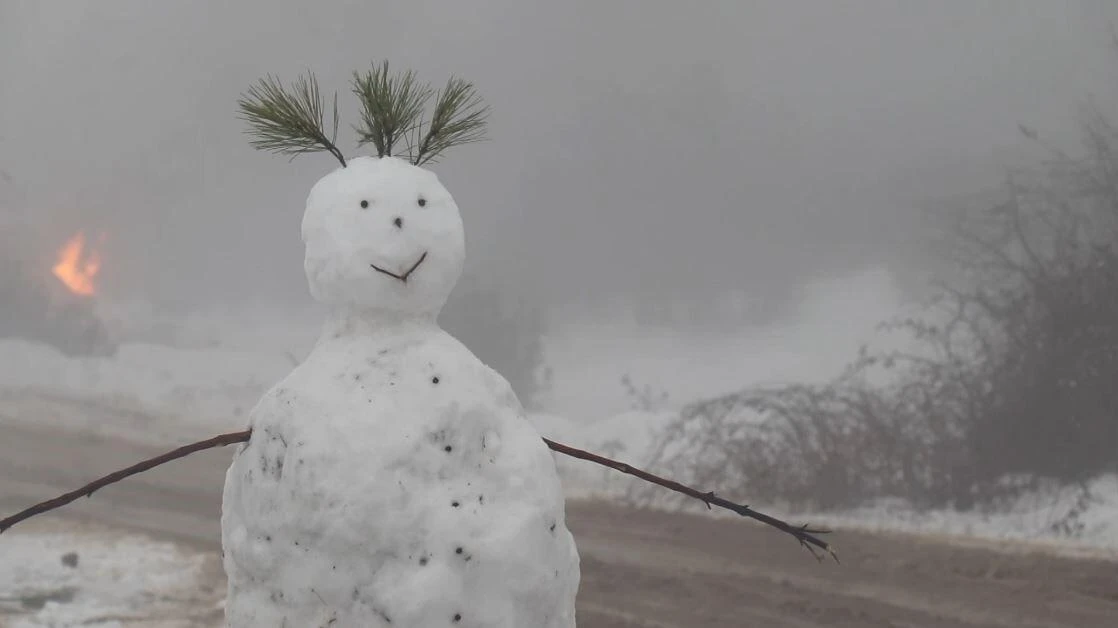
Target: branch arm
805, 535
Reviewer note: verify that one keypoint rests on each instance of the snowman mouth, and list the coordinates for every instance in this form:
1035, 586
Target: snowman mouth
404, 277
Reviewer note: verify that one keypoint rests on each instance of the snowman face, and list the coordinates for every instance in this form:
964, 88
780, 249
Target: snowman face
383, 235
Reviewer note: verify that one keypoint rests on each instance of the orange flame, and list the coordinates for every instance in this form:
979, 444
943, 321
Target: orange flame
76, 266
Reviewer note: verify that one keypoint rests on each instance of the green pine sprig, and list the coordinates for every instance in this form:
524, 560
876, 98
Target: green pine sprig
460, 117
289, 120
391, 106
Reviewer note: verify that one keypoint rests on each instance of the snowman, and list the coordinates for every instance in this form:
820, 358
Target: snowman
392, 479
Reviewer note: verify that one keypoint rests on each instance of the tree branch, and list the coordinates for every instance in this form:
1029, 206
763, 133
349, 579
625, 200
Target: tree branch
112, 478
289, 120
391, 106
805, 535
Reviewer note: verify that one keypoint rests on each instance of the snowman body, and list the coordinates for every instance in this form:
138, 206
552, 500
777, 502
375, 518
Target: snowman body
392, 479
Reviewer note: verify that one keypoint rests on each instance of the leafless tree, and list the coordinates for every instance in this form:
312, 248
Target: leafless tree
1012, 368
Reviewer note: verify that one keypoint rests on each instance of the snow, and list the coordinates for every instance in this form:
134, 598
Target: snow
194, 391
224, 361
348, 459
1061, 520
392, 478
380, 216
590, 354
55, 574
126, 398
129, 395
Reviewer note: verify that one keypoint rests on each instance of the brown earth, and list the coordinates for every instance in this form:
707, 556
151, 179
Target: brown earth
643, 569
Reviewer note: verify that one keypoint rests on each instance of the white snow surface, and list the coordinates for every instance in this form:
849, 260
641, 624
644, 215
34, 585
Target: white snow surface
378, 216
392, 478
1050, 518
65, 574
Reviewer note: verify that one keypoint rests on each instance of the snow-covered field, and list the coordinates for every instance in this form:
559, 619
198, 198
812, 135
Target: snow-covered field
166, 395
222, 363
54, 574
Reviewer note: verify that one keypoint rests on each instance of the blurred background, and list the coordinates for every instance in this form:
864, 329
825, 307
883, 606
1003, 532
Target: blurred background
687, 166
678, 200
857, 260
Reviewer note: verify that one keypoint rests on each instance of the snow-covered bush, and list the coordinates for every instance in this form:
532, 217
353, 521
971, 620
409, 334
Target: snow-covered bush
815, 446
1010, 371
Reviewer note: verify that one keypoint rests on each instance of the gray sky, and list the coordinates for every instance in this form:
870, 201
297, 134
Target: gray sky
674, 149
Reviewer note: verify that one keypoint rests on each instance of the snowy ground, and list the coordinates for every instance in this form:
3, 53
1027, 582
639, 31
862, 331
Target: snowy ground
54, 574
211, 384
167, 395
197, 392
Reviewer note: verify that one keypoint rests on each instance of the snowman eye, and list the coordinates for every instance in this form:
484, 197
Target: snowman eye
364, 204
422, 201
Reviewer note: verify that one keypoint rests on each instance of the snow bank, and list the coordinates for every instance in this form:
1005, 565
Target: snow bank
52, 575
187, 389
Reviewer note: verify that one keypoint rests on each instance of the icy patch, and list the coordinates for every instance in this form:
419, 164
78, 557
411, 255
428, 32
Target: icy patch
56, 576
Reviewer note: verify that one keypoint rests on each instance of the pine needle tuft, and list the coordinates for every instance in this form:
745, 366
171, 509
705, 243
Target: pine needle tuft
459, 118
391, 106
289, 120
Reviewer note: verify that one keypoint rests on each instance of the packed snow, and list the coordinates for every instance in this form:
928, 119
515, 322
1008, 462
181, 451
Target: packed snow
392, 478
590, 352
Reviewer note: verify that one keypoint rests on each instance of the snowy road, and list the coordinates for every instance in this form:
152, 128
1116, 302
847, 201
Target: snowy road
640, 569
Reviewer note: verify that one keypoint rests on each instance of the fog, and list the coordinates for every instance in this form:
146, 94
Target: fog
657, 150
688, 221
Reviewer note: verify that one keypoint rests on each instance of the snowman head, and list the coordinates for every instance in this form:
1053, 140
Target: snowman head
382, 235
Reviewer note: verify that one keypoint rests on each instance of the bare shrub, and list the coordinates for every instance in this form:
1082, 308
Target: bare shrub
1012, 370
644, 399
817, 446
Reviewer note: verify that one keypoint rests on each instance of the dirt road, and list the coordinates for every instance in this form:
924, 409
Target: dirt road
643, 569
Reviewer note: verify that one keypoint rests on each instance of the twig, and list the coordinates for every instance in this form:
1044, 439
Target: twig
406, 275
805, 535
87, 490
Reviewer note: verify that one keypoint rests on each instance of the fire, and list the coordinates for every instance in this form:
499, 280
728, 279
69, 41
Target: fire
77, 266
